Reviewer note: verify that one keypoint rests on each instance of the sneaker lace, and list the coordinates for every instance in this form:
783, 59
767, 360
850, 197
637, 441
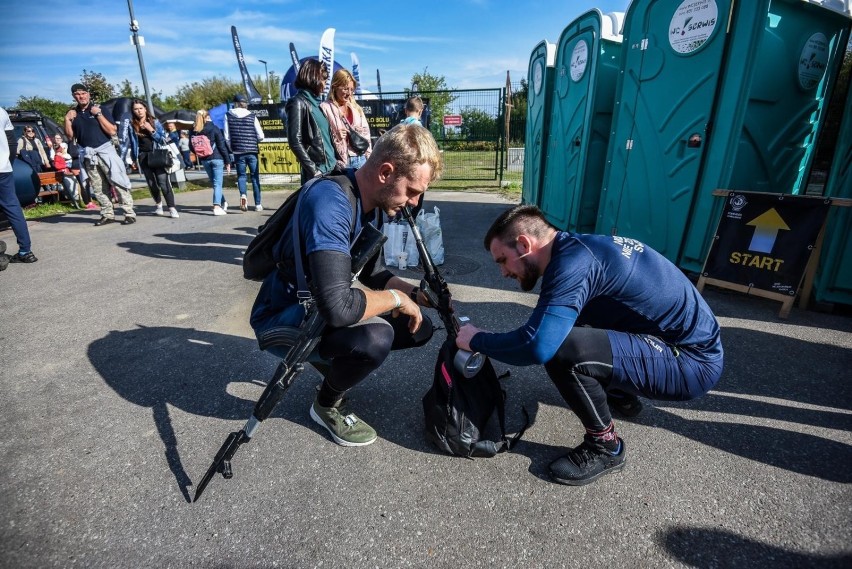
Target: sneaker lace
585, 454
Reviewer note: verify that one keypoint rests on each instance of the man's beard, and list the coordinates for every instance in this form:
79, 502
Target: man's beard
384, 200
529, 278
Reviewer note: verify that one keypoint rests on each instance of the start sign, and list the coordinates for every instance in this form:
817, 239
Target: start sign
764, 240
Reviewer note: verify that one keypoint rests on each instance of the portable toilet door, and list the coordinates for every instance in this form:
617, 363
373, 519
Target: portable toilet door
834, 276
778, 78
540, 86
801, 47
673, 51
588, 57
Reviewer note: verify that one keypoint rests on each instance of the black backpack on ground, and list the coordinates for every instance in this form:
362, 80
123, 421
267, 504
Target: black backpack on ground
457, 409
259, 259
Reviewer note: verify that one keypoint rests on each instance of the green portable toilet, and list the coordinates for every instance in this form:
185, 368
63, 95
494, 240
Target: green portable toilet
588, 57
834, 276
786, 91
689, 112
539, 81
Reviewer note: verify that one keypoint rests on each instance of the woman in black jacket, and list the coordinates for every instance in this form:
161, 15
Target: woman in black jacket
308, 131
214, 162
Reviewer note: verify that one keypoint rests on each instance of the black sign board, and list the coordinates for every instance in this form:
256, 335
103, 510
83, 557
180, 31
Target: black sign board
764, 240
381, 115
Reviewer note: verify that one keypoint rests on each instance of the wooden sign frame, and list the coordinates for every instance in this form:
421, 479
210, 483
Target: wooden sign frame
805, 285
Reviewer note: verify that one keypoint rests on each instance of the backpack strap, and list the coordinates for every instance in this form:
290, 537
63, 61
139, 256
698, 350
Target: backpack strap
303, 292
507, 443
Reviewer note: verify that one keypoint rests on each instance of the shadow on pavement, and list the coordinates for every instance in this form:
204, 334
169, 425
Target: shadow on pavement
227, 255
205, 238
189, 369
703, 547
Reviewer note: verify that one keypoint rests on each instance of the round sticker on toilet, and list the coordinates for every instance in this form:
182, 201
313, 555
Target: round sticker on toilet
813, 61
692, 25
579, 59
538, 77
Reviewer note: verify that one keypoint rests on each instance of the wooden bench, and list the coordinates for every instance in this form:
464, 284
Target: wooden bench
47, 179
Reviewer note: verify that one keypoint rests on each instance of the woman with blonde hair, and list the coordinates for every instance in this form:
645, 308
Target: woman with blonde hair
344, 114
211, 153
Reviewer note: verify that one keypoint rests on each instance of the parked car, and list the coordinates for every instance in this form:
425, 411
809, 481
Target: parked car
26, 181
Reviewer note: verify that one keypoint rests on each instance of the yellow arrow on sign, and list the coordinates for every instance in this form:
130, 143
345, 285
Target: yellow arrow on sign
766, 227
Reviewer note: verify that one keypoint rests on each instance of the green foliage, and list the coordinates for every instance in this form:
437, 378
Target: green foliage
127, 89
99, 88
52, 109
518, 116
440, 97
268, 87
478, 125
207, 93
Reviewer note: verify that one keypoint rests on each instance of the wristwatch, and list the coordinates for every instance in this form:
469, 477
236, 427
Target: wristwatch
96, 115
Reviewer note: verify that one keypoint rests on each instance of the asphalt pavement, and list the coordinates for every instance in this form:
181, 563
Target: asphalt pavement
127, 359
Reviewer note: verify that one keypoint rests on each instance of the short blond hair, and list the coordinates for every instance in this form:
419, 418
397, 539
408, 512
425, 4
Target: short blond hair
407, 146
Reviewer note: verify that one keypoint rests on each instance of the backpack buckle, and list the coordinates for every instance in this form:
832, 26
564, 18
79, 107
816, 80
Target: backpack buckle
305, 298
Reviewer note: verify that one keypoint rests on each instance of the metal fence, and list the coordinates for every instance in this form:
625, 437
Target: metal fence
466, 126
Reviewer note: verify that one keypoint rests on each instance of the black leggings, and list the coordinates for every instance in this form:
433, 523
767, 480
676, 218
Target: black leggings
582, 371
158, 181
358, 350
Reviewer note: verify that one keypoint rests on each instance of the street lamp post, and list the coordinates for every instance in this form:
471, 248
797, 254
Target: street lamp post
138, 41
268, 83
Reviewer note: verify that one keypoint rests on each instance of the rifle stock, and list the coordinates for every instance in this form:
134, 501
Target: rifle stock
366, 245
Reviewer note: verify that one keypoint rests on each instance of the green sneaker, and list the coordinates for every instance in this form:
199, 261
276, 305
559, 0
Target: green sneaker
346, 429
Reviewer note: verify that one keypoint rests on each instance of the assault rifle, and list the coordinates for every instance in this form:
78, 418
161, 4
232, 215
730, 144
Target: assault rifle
366, 246
437, 292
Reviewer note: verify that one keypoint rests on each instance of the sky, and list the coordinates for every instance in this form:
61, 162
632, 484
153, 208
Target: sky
45, 45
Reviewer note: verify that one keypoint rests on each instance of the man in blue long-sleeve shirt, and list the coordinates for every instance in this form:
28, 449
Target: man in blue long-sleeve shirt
614, 317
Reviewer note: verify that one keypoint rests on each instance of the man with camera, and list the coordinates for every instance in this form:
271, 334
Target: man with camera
363, 324
93, 128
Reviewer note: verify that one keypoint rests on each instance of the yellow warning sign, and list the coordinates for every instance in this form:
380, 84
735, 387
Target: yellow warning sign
277, 158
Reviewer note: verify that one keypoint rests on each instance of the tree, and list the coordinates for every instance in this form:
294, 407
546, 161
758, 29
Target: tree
434, 88
207, 93
99, 88
52, 109
478, 125
272, 86
127, 89
518, 118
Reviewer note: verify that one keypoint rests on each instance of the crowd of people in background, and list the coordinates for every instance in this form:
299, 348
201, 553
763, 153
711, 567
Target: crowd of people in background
325, 136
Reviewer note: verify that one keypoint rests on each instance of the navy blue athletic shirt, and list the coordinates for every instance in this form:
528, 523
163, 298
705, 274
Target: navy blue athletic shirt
610, 283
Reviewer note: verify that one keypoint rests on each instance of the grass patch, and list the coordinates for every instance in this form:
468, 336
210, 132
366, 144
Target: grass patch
455, 164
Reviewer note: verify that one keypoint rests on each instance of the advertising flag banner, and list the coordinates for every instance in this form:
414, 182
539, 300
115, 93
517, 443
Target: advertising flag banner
356, 73
764, 240
326, 55
251, 90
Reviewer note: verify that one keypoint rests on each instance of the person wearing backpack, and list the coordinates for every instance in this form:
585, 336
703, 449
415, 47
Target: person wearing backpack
244, 133
208, 144
614, 320
363, 324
